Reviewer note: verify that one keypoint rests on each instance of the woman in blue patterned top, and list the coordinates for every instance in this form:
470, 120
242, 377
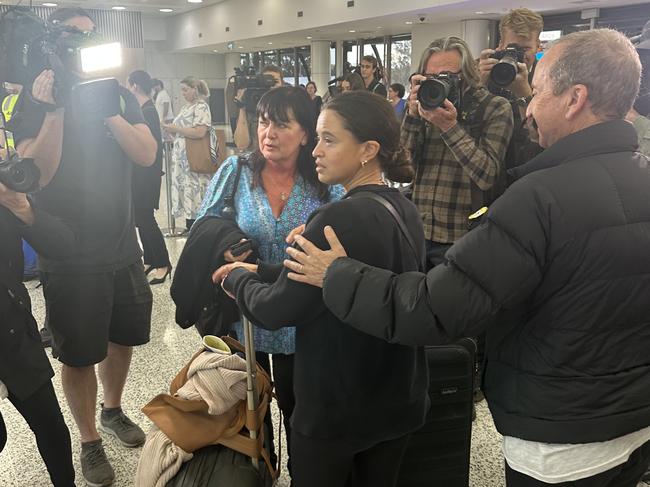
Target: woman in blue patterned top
278, 189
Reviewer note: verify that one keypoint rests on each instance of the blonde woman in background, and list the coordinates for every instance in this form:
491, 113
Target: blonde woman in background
192, 122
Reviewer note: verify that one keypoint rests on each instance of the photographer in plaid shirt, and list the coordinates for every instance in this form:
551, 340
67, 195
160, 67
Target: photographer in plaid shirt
458, 149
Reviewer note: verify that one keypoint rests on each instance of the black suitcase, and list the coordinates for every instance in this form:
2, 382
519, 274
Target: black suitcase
438, 453
219, 466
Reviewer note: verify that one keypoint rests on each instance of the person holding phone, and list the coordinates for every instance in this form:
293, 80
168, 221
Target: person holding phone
277, 189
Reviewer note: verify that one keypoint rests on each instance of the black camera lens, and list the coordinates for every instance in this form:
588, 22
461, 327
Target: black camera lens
504, 72
20, 175
433, 92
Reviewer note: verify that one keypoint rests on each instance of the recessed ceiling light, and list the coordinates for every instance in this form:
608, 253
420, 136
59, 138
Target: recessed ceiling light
240, 47
50, 4
117, 7
408, 22
270, 43
166, 10
379, 27
352, 31
308, 37
194, 1
480, 12
215, 50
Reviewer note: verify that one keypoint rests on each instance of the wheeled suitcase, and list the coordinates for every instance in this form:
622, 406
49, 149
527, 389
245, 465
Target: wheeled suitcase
220, 466
438, 454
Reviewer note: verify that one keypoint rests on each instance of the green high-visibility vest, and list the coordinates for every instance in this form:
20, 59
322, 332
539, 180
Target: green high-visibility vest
8, 105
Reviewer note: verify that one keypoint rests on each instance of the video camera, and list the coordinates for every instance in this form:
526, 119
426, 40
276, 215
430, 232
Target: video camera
505, 71
17, 174
436, 88
255, 84
333, 84
29, 45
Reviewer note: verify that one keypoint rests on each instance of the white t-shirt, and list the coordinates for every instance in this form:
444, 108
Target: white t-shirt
161, 99
556, 463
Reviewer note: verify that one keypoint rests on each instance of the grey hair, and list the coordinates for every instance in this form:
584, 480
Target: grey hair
451, 43
603, 60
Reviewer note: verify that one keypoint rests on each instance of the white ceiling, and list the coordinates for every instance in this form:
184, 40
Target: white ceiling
399, 23
367, 28
147, 7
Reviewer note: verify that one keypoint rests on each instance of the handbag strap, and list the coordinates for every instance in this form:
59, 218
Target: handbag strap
229, 201
391, 209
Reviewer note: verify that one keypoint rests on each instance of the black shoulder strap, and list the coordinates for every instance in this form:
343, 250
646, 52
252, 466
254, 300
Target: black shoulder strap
230, 199
391, 209
228, 210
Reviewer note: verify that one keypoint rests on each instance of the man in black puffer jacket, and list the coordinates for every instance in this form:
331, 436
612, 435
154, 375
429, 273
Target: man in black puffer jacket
558, 273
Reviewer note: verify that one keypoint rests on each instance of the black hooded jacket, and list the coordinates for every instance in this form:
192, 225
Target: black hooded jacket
558, 274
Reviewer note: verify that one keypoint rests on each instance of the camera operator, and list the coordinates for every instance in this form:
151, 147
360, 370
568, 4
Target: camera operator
520, 27
370, 74
98, 299
245, 135
25, 372
457, 147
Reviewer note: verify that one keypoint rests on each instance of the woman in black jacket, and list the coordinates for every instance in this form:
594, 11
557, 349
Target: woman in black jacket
146, 186
357, 397
25, 372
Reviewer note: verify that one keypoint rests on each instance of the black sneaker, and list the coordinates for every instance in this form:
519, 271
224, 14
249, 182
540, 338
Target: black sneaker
95, 467
122, 428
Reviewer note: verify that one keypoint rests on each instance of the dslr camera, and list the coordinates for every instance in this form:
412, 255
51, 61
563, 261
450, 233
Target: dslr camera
17, 174
29, 45
436, 88
256, 85
505, 71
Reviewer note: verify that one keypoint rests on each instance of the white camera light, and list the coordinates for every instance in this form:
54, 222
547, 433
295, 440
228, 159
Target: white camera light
101, 57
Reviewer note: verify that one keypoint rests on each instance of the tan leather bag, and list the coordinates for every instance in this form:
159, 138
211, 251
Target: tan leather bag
198, 155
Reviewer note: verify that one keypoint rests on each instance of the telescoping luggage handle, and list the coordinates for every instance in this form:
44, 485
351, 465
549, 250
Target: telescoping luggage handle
252, 399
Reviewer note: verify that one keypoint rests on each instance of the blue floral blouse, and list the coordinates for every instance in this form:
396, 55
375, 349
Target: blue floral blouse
255, 218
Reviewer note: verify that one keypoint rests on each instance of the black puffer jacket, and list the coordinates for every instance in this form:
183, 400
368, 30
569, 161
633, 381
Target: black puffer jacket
560, 271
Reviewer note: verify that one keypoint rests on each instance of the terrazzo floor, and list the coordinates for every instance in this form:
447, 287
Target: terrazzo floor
153, 367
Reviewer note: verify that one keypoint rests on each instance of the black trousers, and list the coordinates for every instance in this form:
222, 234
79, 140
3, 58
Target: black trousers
43, 415
627, 474
153, 242
339, 463
283, 381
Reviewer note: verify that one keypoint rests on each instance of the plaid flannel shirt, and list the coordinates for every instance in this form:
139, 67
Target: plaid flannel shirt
446, 163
